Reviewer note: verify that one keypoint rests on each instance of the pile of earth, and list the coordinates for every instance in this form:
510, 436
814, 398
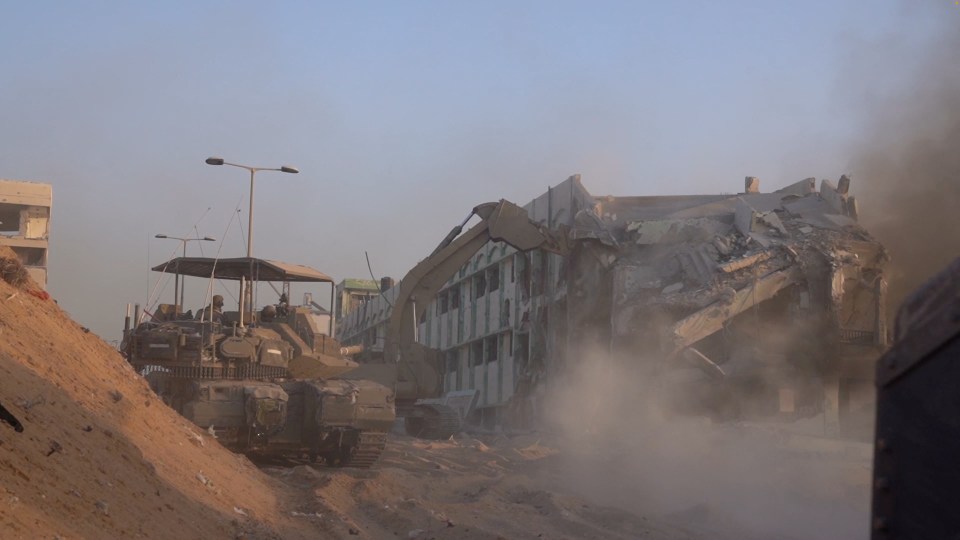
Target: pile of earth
100, 456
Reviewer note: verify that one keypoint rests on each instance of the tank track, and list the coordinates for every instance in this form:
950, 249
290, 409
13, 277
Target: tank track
433, 421
366, 452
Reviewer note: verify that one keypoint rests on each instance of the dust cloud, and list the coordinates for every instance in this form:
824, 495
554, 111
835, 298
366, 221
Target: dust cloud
716, 480
908, 159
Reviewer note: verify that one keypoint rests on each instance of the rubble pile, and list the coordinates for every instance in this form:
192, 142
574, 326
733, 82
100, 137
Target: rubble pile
778, 296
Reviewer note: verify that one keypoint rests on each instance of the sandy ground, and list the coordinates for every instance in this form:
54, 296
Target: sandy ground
102, 457
524, 487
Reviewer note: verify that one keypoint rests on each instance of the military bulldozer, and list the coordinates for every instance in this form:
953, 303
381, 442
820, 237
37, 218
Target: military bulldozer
414, 370
266, 382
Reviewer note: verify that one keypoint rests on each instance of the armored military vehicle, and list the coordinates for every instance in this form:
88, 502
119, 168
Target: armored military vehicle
263, 382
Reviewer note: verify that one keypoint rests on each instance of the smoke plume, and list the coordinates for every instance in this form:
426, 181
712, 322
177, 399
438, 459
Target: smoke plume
908, 159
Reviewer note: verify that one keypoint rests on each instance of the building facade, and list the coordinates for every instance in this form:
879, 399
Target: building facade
25, 209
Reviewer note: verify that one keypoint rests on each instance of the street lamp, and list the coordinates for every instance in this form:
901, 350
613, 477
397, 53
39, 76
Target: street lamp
176, 279
253, 171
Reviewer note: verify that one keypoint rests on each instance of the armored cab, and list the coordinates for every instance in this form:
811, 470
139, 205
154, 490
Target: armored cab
264, 382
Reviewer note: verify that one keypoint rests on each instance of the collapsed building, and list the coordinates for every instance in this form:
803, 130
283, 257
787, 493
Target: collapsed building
746, 305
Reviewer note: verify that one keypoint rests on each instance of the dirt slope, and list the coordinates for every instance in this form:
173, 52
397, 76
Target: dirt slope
100, 455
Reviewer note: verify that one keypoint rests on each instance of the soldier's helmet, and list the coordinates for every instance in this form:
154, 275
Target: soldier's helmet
268, 313
217, 300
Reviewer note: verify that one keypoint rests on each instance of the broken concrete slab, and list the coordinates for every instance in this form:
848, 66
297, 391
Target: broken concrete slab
802, 188
666, 231
744, 262
672, 288
705, 322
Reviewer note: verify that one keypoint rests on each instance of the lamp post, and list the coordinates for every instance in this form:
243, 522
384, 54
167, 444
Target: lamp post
176, 282
253, 172
246, 291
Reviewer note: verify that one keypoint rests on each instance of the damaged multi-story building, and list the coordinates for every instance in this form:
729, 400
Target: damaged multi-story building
766, 305
25, 209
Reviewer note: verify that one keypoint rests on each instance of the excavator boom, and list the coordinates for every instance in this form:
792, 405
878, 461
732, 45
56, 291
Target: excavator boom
500, 221
415, 369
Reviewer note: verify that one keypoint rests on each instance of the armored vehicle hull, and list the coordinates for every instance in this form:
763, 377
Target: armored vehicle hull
266, 383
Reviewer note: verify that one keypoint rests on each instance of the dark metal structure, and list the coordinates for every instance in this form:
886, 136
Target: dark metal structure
916, 482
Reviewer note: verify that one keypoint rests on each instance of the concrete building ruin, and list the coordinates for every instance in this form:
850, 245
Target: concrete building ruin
755, 304
25, 224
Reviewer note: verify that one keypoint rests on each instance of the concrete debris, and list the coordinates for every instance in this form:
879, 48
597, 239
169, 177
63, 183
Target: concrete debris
307, 515
196, 439
672, 288
744, 262
203, 479
772, 272
27, 404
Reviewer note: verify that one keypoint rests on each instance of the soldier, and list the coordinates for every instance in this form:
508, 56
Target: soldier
214, 311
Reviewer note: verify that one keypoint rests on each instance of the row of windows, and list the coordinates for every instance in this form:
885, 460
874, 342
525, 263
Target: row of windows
530, 268
481, 351
480, 284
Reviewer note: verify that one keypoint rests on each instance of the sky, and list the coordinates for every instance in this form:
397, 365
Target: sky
401, 116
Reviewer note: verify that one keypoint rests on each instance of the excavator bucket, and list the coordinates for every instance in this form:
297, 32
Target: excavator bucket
511, 224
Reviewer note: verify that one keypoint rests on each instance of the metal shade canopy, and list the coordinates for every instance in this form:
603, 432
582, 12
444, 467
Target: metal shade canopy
251, 269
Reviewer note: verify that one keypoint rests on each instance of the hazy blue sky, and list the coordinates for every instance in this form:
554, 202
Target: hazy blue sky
403, 115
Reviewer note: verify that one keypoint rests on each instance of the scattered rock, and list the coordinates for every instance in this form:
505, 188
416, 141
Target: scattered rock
197, 440
27, 404
116, 396
103, 507
203, 479
353, 531
670, 289
54, 448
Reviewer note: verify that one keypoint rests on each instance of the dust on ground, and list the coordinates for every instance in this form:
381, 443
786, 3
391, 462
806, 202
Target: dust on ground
538, 486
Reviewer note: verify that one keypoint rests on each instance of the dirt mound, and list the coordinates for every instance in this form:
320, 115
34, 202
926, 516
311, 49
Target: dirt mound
100, 456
